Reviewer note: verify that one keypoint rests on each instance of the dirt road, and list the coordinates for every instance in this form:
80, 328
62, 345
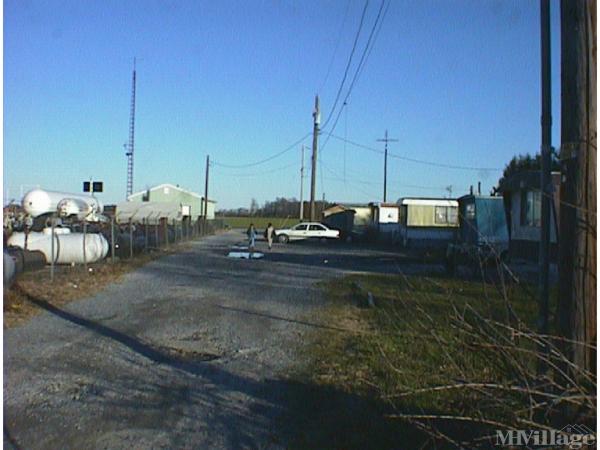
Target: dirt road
190, 351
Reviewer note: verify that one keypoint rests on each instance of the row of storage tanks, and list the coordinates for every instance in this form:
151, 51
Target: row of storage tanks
34, 249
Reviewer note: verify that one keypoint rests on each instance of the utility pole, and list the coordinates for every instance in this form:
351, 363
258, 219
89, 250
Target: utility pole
577, 243
313, 176
206, 189
386, 140
545, 178
302, 186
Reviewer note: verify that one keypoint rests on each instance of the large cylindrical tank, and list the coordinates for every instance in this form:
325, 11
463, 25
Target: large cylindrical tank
40, 201
27, 260
10, 270
68, 247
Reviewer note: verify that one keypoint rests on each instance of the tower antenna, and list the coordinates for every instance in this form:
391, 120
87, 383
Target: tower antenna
130, 145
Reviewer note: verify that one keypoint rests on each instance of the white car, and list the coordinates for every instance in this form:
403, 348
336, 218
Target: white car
306, 230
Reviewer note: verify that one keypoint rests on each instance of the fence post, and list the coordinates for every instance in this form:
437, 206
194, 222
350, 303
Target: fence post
156, 236
166, 232
52, 249
130, 239
112, 239
145, 220
84, 249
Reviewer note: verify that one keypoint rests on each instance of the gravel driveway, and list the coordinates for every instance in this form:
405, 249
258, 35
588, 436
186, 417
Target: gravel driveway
190, 351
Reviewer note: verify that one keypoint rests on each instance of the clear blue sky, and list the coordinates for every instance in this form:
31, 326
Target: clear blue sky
456, 82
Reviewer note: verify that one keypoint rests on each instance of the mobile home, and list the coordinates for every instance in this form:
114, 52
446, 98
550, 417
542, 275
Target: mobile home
427, 222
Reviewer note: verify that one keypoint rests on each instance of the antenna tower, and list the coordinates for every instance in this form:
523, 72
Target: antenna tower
129, 152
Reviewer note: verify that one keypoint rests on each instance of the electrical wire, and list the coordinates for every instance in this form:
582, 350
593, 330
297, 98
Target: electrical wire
262, 161
264, 172
337, 44
361, 63
339, 92
414, 160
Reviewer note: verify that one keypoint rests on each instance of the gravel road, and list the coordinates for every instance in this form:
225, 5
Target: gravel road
190, 351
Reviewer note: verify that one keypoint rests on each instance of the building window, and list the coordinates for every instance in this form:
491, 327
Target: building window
531, 208
165, 190
470, 211
446, 215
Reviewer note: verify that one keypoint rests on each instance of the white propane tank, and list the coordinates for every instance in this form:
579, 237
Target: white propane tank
73, 206
40, 201
68, 247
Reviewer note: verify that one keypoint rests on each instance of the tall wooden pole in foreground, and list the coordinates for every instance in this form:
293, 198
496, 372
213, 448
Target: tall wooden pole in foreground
545, 178
577, 240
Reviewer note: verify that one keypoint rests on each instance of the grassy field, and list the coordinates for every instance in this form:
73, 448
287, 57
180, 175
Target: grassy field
259, 222
416, 339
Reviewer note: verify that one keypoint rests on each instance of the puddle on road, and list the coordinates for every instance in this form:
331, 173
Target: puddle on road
246, 255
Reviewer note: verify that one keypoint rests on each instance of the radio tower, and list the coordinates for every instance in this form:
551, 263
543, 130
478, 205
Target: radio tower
129, 152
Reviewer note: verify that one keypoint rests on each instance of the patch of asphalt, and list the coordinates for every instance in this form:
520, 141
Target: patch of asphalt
189, 351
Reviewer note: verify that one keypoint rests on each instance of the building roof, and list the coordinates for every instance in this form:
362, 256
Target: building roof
429, 201
171, 186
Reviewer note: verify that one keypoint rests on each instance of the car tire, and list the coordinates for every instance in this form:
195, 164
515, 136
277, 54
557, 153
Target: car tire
283, 238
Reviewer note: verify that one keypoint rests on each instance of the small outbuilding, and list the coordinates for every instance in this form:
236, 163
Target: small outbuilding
352, 220
190, 204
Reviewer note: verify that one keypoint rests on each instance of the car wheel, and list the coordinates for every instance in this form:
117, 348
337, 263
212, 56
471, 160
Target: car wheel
283, 238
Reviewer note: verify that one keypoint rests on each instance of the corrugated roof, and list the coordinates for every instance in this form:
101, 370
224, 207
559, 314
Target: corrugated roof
429, 201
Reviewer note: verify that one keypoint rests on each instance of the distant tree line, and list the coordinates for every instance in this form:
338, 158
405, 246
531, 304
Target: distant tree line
280, 207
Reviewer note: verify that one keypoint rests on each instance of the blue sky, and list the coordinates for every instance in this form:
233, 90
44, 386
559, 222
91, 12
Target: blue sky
455, 81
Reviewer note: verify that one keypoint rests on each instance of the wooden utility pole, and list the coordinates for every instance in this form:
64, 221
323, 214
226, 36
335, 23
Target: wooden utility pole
545, 178
302, 186
313, 176
205, 212
577, 240
386, 140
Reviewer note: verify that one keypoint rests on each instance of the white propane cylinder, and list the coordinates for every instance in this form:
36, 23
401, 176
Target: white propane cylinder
40, 201
68, 247
73, 206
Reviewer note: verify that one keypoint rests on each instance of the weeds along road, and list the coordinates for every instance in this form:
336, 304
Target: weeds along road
190, 351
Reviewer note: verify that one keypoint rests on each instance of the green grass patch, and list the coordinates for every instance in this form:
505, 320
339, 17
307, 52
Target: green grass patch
259, 222
410, 341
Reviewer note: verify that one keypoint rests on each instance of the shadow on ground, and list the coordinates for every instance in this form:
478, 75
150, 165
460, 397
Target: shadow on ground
182, 400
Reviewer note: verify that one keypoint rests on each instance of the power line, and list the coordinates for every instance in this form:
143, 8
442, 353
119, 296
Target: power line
415, 160
339, 92
264, 172
262, 161
337, 44
361, 63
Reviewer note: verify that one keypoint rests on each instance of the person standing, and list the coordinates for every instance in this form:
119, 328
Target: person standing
251, 232
270, 234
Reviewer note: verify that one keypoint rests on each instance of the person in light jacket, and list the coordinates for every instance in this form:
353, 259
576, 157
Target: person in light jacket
270, 234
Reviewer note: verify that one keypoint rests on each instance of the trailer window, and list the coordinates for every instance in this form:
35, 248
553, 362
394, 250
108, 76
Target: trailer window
446, 215
531, 208
470, 211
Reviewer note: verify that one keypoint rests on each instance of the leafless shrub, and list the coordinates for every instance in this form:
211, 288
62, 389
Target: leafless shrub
499, 374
